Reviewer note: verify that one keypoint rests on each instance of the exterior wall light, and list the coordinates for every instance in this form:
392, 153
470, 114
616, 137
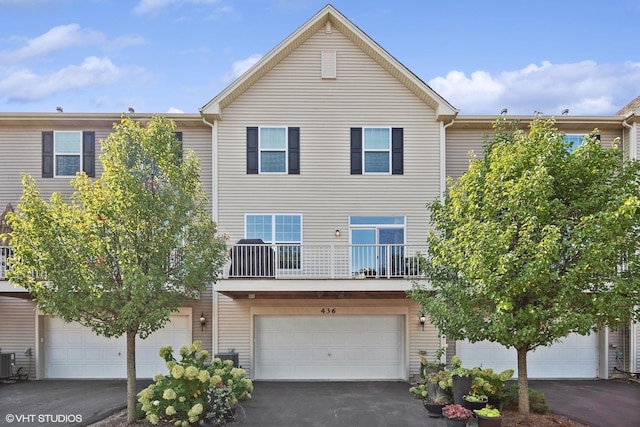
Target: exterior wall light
203, 320
337, 232
423, 319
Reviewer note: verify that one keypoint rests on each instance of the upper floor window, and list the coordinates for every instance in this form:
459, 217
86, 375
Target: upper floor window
377, 150
65, 153
574, 141
273, 149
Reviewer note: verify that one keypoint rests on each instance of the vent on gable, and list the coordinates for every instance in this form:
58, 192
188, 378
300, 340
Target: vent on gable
328, 64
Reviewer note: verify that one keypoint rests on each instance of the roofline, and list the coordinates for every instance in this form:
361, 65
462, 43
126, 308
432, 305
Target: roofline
213, 109
93, 119
486, 121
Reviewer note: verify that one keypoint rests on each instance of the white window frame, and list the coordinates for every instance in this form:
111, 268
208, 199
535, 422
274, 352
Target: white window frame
274, 150
56, 153
273, 241
388, 150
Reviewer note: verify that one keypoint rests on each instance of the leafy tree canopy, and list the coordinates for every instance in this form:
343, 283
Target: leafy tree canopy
534, 241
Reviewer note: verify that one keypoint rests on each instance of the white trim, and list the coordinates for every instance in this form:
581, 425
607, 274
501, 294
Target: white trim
633, 347
389, 150
603, 353
273, 150
55, 153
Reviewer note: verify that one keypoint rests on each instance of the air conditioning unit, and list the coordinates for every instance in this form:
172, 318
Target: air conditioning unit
7, 360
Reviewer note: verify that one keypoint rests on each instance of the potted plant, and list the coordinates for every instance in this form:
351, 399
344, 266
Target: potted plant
439, 381
488, 417
435, 402
456, 415
474, 401
461, 379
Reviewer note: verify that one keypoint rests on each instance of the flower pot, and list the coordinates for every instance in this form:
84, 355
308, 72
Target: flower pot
455, 423
434, 409
489, 421
472, 406
461, 386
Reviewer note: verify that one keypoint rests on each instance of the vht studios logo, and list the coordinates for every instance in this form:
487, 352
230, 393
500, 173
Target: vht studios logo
43, 418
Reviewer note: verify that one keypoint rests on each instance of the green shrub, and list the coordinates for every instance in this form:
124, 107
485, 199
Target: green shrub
193, 391
508, 400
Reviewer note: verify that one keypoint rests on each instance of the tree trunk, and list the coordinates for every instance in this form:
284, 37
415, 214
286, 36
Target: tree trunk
523, 383
131, 376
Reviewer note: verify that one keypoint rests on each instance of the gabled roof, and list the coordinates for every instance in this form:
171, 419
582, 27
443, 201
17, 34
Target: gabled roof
631, 107
444, 111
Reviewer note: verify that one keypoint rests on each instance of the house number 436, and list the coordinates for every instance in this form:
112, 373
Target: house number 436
328, 310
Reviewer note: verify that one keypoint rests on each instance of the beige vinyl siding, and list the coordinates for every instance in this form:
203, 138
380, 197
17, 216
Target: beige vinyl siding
325, 193
21, 152
617, 339
198, 139
419, 340
461, 146
18, 331
234, 329
202, 305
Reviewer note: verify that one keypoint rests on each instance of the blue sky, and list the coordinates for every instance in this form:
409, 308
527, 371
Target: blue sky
175, 55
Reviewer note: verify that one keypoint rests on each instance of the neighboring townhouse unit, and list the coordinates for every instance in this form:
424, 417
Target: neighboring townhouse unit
319, 161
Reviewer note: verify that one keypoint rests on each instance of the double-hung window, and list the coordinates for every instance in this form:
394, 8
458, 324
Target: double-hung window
283, 230
574, 141
273, 150
65, 153
377, 150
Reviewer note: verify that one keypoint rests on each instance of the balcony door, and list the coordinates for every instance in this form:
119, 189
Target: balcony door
377, 246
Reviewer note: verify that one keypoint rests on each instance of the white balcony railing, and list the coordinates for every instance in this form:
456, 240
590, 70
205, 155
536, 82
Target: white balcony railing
5, 252
287, 261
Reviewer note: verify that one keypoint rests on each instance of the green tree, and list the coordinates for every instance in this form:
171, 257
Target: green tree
534, 242
125, 250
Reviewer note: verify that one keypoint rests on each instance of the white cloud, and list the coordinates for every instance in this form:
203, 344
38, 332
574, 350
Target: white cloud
57, 38
151, 6
242, 65
586, 88
174, 110
24, 85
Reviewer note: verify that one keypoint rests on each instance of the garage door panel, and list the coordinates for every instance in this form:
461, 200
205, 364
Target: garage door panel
335, 347
576, 356
74, 351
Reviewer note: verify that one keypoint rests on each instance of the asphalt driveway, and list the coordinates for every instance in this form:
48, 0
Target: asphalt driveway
307, 404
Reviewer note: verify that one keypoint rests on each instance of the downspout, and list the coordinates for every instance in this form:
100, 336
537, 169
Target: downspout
633, 342
633, 144
443, 157
214, 214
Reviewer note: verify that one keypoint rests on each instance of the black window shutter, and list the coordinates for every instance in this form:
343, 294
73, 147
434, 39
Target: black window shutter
397, 151
356, 151
294, 151
47, 154
179, 138
252, 150
89, 153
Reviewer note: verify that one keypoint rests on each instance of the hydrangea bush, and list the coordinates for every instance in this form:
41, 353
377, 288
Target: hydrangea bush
193, 391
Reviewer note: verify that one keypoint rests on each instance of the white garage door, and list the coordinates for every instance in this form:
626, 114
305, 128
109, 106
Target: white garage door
74, 351
574, 357
329, 348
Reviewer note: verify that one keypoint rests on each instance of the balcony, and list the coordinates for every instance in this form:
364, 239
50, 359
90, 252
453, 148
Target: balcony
328, 261
5, 253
